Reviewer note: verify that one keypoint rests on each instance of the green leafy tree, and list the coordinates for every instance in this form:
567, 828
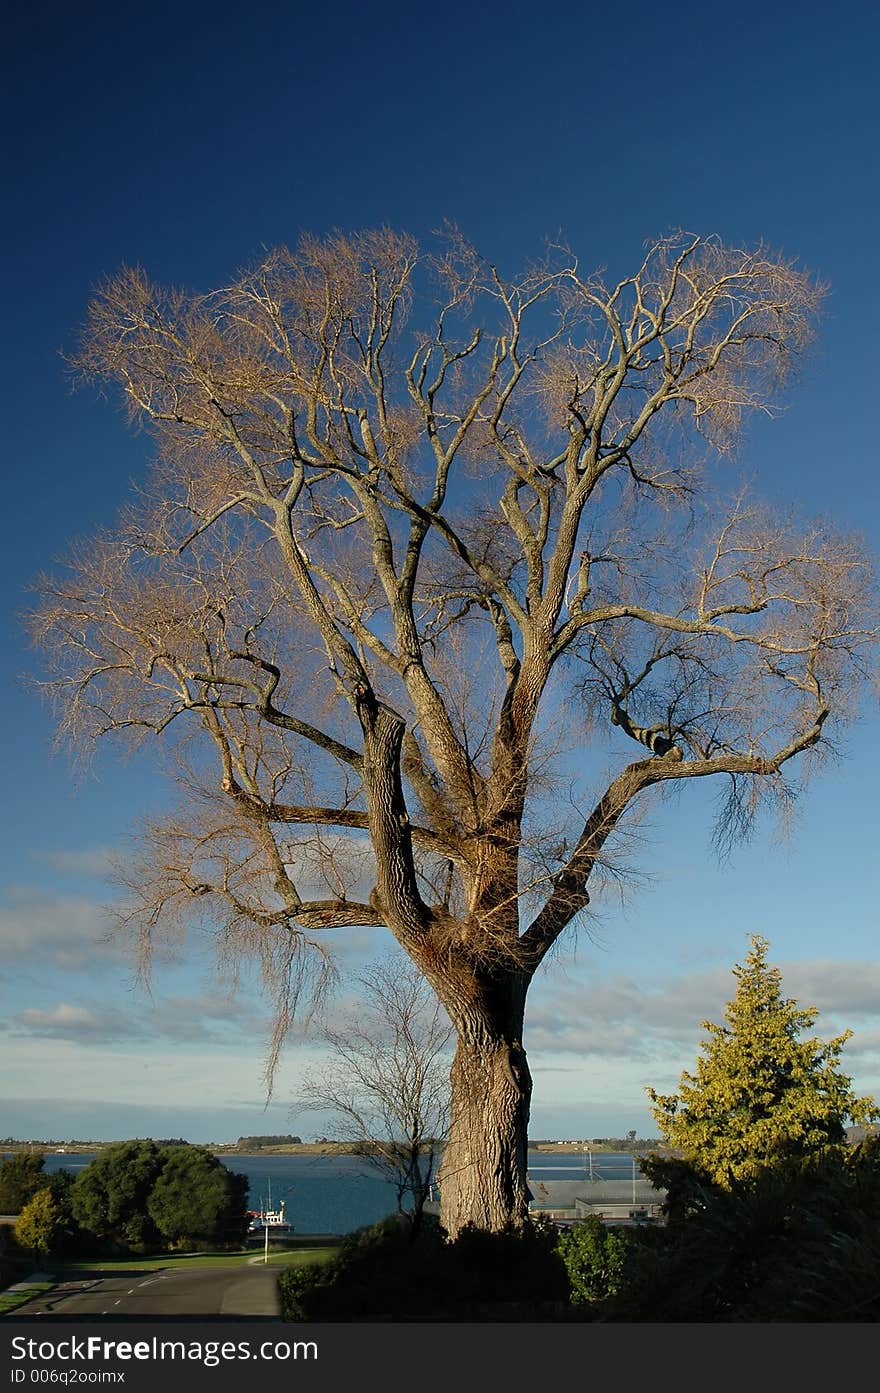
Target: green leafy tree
763, 1094
196, 1197
110, 1196
41, 1224
21, 1177
594, 1257
791, 1244
60, 1186
146, 1194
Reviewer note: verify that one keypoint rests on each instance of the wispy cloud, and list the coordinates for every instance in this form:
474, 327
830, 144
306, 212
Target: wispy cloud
68, 1021
848, 991
56, 930
210, 1018
213, 1017
137, 1073
862, 1052
90, 861
619, 1018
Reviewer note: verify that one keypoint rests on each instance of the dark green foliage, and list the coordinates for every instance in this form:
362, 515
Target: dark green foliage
257, 1143
14, 1263
110, 1196
195, 1198
381, 1274
376, 1267
595, 1258
309, 1289
69, 1237
140, 1195
687, 1186
517, 1267
798, 1243
21, 1176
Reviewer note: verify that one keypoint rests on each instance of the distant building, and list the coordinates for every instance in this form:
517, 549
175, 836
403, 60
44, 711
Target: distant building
626, 1201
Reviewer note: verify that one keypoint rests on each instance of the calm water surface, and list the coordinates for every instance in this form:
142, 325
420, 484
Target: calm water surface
337, 1194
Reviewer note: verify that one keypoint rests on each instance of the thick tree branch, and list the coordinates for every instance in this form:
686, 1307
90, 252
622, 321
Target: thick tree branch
569, 893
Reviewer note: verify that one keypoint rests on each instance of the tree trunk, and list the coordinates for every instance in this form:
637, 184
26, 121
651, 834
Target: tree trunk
482, 1176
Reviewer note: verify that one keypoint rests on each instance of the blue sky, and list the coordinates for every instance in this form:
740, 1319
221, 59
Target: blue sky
188, 139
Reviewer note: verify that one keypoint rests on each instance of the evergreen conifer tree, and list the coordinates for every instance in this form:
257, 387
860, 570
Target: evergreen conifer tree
763, 1093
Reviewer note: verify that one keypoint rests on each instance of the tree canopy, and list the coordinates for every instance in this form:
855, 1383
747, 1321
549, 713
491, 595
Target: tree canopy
195, 1196
21, 1176
763, 1093
430, 553
41, 1223
109, 1197
141, 1194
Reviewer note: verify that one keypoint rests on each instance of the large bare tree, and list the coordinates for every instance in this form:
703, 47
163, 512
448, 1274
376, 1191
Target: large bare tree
435, 580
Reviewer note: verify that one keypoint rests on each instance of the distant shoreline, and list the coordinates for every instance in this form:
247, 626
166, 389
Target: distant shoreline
306, 1148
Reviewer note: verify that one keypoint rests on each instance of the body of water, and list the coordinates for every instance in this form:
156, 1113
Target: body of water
338, 1194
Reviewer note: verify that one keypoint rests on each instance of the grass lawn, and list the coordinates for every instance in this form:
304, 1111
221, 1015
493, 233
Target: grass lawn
283, 1257
10, 1300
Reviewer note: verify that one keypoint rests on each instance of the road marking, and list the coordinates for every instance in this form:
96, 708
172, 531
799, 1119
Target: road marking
118, 1303
130, 1291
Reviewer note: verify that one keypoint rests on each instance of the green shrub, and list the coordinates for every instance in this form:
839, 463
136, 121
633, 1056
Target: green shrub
21, 1176
138, 1196
302, 1288
595, 1258
800, 1243
41, 1224
383, 1273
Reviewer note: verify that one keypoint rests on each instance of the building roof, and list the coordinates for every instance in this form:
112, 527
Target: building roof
565, 1194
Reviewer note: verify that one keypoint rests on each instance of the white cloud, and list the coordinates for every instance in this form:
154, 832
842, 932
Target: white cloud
67, 1021
138, 1073
90, 861
617, 1017
209, 1018
848, 991
55, 930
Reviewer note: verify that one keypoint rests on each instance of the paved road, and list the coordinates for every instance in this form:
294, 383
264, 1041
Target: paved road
209, 1293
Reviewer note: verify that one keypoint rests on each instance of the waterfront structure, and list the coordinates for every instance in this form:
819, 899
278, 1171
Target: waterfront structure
626, 1201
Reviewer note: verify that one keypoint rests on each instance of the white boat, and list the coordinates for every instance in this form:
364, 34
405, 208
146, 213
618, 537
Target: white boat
268, 1218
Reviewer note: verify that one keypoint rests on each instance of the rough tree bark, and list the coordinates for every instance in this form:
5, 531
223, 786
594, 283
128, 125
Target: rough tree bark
483, 1174
378, 556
